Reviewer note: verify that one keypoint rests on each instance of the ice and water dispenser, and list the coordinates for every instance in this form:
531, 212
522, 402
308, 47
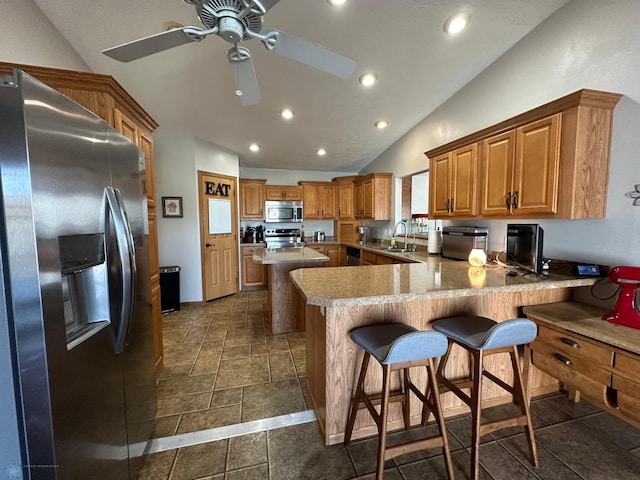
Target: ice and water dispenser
85, 286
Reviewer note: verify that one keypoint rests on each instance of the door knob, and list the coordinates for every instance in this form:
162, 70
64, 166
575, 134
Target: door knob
209, 244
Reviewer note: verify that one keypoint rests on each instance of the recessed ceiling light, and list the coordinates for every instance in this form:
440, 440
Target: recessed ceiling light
456, 22
254, 147
321, 151
337, 3
287, 113
380, 124
367, 79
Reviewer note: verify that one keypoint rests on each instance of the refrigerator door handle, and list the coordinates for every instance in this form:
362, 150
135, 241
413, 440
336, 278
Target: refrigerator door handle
126, 251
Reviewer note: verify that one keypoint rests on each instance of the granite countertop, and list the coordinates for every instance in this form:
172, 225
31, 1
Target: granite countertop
587, 320
432, 278
288, 255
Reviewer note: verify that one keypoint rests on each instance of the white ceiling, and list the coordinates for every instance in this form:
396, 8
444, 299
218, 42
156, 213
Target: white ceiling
192, 86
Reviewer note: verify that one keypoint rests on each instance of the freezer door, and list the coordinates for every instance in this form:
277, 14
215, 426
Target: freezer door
127, 168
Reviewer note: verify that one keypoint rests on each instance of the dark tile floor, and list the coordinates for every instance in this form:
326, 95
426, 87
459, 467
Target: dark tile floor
223, 367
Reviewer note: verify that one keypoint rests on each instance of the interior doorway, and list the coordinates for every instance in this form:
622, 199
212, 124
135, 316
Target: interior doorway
218, 234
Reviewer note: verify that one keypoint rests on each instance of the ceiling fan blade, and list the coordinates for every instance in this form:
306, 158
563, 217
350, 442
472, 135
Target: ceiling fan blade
268, 4
244, 76
314, 55
154, 43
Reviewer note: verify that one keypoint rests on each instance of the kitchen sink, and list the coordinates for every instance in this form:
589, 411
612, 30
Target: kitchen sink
394, 249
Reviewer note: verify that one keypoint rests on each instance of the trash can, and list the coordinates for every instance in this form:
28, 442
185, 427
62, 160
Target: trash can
170, 289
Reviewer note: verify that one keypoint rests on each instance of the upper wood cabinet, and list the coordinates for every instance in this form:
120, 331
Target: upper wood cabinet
104, 96
282, 192
345, 197
550, 162
452, 183
252, 199
319, 200
372, 194
520, 170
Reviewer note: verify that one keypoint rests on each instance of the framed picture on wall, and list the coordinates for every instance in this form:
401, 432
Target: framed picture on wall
172, 206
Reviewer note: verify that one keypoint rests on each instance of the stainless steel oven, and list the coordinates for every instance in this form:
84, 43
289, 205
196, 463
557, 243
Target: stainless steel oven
353, 256
282, 212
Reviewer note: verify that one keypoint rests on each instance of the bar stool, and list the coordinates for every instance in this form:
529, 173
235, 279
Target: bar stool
398, 346
482, 337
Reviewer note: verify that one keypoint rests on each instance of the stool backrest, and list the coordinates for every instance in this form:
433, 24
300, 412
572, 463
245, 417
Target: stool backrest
518, 331
416, 346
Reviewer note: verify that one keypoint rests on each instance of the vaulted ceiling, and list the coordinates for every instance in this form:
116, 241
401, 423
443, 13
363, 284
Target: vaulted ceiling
191, 87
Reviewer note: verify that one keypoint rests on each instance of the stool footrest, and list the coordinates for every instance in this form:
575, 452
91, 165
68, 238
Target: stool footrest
410, 447
500, 424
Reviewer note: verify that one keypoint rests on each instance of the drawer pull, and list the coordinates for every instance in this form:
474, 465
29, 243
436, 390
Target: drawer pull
570, 342
562, 358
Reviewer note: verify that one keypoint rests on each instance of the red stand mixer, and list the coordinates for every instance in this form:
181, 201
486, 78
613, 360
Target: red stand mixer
625, 311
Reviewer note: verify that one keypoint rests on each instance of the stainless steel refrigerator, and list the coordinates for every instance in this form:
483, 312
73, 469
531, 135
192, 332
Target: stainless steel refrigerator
77, 386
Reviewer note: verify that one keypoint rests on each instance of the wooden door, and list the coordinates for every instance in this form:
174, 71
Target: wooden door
497, 173
292, 193
345, 202
251, 200
219, 240
464, 174
359, 200
253, 273
328, 201
368, 199
536, 167
439, 180
311, 198
333, 252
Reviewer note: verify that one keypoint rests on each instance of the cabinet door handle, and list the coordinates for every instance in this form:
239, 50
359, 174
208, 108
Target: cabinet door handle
515, 199
508, 200
570, 342
562, 358
451, 206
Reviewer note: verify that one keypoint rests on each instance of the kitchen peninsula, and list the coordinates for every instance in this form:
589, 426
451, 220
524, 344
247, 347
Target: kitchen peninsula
340, 299
286, 306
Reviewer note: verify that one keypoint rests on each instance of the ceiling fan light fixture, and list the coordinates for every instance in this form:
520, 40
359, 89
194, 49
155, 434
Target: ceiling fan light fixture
382, 123
254, 147
367, 79
456, 22
287, 113
321, 152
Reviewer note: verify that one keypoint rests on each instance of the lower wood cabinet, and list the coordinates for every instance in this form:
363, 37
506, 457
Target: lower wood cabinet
330, 250
253, 274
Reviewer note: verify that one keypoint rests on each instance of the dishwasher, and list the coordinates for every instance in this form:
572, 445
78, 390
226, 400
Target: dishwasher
353, 256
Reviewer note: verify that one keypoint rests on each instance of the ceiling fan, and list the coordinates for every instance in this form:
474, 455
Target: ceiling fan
235, 21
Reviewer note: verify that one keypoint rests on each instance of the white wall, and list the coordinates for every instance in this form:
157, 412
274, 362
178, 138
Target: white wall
586, 44
178, 157
27, 36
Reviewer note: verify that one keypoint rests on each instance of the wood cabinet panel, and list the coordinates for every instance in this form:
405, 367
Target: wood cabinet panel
452, 183
345, 199
252, 199
319, 200
372, 196
560, 160
253, 274
282, 192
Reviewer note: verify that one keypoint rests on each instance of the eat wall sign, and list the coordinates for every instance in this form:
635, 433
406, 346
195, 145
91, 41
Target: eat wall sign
217, 189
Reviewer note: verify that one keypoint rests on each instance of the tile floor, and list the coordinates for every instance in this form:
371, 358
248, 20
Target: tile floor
223, 367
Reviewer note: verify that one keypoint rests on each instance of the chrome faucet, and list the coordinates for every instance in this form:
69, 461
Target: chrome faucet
403, 223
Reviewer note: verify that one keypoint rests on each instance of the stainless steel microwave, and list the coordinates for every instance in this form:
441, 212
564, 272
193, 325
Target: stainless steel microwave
282, 212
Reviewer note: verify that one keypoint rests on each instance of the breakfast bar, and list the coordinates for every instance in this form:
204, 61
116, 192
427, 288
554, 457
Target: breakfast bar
340, 299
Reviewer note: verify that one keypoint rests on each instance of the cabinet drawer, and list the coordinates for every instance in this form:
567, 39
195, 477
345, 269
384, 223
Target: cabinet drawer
368, 257
384, 260
571, 362
628, 365
576, 345
591, 388
628, 397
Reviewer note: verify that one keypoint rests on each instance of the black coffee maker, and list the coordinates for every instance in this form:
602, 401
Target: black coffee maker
259, 233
